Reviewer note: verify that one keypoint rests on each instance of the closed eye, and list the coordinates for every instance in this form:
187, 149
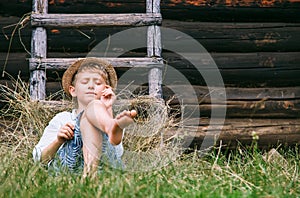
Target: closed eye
84, 81
99, 82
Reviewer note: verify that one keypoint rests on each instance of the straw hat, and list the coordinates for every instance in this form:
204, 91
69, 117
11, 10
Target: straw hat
72, 70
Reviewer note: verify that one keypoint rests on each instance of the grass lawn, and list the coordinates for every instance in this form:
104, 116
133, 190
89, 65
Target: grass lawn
238, 173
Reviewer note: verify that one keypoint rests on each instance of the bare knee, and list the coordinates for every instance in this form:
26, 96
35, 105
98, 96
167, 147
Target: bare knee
96, 114
95, 107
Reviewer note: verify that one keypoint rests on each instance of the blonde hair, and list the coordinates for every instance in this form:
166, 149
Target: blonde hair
92, 67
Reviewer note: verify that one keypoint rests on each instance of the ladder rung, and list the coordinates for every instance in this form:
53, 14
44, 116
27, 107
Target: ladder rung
60, 64
80, 20
67, 104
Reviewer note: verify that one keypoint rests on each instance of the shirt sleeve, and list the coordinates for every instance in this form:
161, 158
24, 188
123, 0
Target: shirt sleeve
119, 150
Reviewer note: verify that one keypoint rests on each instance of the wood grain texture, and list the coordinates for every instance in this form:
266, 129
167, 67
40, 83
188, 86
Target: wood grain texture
95, 20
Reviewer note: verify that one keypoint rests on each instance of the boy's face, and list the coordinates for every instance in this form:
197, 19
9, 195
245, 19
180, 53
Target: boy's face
88, 86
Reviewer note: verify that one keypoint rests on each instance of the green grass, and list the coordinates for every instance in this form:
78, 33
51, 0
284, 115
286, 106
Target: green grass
238, 173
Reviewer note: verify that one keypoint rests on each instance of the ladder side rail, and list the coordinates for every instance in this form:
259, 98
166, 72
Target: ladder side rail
154, 50
38, 50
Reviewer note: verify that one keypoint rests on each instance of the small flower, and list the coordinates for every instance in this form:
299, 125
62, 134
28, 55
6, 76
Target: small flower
254, 135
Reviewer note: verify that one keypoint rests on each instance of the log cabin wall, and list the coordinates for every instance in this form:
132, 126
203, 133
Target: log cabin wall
255, 44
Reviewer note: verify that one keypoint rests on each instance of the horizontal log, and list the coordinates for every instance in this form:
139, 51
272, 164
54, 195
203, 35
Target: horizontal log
61, 64
224, 61
231, 11
279, 109
237, 37
262, 77
285, 106
232, 61
239, 123
214, 37
237, 69
233, 94
231, 132
95, 20
236, 109
268, 132
278, 102
203, 96
232, 14
250, 109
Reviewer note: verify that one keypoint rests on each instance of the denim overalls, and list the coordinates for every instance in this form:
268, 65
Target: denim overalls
70, 156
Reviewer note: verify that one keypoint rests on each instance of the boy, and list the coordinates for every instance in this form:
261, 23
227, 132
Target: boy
89, 134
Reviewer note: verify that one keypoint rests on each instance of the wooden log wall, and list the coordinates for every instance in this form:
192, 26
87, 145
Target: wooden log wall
199, 10
255, 44
246, 51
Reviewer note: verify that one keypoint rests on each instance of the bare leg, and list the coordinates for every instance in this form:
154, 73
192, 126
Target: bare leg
90, 163
101, 118
95, 119
92, 147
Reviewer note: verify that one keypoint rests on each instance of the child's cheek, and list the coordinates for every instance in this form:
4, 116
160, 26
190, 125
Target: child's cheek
98, 90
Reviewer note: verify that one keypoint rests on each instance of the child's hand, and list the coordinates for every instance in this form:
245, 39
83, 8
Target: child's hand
66, 132
108, 97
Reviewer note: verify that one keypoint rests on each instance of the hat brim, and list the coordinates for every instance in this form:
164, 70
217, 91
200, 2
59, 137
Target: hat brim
72, 70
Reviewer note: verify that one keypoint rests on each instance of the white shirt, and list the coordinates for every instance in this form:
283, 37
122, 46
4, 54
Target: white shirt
50, 133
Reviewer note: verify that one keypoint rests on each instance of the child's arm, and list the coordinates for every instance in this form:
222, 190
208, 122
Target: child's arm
65, 133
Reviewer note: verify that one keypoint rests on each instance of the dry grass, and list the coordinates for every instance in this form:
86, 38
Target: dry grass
148, 142
23, 121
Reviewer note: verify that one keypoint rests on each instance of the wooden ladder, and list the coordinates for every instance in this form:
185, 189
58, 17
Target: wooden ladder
39, 63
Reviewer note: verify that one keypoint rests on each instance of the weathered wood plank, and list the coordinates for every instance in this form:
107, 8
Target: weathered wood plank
240, 122
237, 69
234, 95
215, 37
61, 64
154, 50
224, 61
232, 11
231, 61
270, 132
95, 20
243, 69
251, 103
38, 50
238, 37
246, 109
240, 102
232, 14
262, 77
155, 82
282, 103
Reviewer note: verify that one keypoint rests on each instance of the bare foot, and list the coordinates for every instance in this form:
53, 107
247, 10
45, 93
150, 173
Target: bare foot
122, 120
125, 118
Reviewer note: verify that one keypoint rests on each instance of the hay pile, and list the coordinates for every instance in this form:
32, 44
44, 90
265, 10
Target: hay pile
22, 121
148, 142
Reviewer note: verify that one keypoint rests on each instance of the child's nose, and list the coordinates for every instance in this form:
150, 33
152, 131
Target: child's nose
91, 84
